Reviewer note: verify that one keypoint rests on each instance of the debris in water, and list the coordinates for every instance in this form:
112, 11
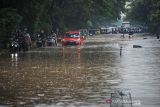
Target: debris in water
40, 95
137, 46
35, 67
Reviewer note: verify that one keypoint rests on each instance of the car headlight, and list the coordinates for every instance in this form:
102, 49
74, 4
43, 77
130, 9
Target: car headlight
77, 40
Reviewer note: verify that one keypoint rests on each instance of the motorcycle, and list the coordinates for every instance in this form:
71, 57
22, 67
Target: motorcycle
39, 43
51, 41
14, 48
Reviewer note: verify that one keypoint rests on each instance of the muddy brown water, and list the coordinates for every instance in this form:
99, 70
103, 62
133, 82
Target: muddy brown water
82, 76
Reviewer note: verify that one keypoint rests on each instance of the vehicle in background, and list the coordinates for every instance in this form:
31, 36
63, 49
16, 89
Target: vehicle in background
51, 41
73, 38
105, 30
84, 32
126, 24
94, 32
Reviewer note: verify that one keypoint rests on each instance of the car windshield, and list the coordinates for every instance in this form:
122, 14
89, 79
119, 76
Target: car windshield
75, 35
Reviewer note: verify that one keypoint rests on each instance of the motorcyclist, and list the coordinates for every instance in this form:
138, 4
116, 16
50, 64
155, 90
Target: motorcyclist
14, 45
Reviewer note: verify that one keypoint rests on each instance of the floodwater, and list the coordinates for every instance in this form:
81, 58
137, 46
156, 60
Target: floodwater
82, 76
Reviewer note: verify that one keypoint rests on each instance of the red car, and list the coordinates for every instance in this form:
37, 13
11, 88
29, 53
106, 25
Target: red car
73, 38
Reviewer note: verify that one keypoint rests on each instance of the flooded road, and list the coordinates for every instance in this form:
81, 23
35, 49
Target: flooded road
82, 76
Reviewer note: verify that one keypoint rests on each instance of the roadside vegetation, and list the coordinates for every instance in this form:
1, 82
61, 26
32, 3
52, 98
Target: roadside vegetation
146, 12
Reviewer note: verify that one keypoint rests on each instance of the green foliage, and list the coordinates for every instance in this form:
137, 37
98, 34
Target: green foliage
77, 13
65, 14
35, 15
9, 20
146, 12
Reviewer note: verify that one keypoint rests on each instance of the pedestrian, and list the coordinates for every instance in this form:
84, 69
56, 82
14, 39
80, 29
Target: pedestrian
21, 40
55, 38
27, 42
39, 41
120, 51
42, 36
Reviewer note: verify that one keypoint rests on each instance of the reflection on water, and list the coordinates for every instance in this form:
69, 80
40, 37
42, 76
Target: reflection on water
14, 60
80, 76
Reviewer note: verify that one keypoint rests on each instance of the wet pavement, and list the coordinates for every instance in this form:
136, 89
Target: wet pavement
83, 76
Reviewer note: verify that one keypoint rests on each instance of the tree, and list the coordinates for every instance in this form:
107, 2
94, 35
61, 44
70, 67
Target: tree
65, 14
146, 12
77, 13
9, 20
35, 15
